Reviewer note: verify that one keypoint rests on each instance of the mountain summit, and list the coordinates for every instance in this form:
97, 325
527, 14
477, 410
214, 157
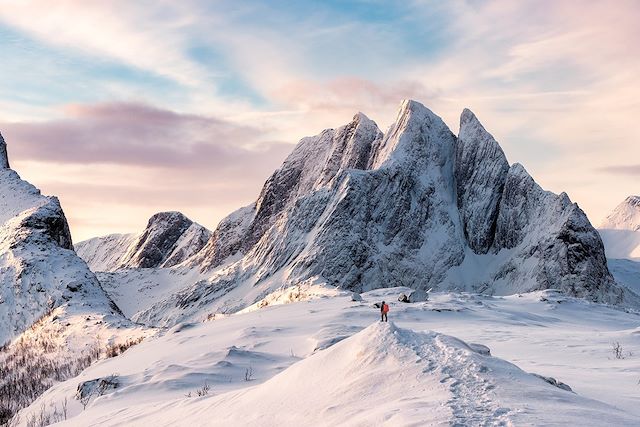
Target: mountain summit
416, 207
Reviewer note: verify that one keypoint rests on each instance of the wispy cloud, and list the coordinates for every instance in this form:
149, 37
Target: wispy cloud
631, 170
136, 134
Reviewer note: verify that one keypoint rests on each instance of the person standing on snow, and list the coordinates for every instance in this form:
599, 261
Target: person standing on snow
384, 309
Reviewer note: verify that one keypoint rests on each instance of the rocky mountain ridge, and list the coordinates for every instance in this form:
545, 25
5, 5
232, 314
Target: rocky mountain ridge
416, 207
168, 239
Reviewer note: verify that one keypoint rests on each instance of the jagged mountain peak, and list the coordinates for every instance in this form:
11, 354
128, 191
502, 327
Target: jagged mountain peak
4, 157
428, 209
411, 139
633, 201
168, 239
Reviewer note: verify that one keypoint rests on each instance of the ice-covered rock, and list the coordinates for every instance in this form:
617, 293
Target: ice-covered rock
4, 157
419, 295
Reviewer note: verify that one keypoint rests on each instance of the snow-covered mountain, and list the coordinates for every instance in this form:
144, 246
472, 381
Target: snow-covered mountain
620, 231
39, 270
169, 239
416, 207
55, 318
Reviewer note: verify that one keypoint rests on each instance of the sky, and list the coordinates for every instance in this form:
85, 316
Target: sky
123, 109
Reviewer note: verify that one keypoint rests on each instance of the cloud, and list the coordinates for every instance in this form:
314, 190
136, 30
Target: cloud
554, 81
140, 135
143, 34
621, 169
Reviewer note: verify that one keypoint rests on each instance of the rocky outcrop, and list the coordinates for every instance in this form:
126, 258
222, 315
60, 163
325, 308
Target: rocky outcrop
417, 207
4, 157
169, 239
314, 164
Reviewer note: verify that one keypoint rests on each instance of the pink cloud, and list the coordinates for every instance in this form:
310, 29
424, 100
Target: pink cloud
137, 134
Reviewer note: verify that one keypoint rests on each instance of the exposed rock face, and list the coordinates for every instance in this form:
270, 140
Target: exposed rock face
553, 234
4, 157
169, 239
481, 171
418, 207
156, 242
314, 164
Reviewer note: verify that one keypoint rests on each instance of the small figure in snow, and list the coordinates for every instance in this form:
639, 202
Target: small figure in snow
384, 309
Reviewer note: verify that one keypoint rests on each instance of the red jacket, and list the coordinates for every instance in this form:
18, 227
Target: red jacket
385, 308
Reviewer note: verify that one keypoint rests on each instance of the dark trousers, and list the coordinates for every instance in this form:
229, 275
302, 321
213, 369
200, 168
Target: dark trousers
384, 317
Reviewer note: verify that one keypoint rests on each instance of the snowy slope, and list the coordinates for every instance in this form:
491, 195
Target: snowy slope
104, 253
620, 231
169, 239
322, 362
626, 272
417, 207
626, 216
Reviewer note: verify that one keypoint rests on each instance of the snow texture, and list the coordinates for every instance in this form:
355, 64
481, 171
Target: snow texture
329, 361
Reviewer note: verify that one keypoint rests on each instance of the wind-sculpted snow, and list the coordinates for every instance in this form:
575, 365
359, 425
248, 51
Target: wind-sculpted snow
169, 239
418, 207
313, 356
